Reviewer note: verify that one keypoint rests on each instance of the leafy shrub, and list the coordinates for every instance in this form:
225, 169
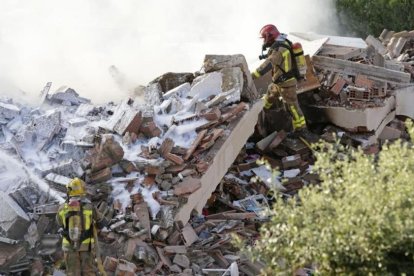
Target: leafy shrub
358, 221
364, 17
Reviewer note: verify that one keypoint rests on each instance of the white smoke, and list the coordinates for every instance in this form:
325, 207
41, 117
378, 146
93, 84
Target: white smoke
75, 42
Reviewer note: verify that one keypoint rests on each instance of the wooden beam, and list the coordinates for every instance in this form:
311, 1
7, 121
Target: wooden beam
354, 68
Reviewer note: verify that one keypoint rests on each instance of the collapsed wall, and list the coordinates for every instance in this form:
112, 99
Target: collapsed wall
159, 155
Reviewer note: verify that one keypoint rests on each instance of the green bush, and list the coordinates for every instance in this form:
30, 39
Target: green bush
364, 17
359, 221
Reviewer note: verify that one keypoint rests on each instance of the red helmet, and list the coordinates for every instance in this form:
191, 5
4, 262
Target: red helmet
269, 33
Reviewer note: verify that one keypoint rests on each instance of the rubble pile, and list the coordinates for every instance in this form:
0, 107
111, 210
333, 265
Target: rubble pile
175, 170
143, 159
363, 90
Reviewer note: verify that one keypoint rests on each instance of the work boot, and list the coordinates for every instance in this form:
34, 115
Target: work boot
305, 134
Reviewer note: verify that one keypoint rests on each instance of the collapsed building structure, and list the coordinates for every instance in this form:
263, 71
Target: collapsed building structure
174, 169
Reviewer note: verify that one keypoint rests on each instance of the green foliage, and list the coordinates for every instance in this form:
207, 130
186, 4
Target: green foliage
364, 17
359, 221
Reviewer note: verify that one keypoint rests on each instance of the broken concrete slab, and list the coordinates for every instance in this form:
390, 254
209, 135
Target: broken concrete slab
367, 119
223, 158
152, 94
69, 168
58, 182
181, 260
206, 85
354, 68
219, 62
379, 47
169, 81
66, 96
188, 186
8, 111
405, 101
13, 220
189, 235
390, 133
179, 91
126, 118
40, 132
341, 52
232, 81
10, 254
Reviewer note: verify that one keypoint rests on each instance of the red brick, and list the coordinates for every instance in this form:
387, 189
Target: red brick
212, 115
337, 88
100, 176
110, 264
188, 186
195, 144
363, 81
236, 110
175, 168
166, 147
150, 129
174, 158
149, 180
153, 170
134, 125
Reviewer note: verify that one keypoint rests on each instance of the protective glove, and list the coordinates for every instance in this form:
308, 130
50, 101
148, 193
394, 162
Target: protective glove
255, 75
268, 101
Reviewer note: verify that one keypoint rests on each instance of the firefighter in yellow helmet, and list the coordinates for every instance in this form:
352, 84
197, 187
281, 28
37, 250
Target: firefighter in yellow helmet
77, 217
280, 61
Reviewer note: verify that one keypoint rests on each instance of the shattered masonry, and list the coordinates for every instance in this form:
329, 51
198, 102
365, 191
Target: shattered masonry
174, 171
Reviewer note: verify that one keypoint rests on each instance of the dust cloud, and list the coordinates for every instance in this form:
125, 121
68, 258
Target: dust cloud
76, 42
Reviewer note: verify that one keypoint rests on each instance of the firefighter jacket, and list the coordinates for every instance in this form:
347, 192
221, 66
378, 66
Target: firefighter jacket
279, 61
77, 218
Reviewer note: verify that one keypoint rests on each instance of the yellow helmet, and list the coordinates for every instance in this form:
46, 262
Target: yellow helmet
76, 187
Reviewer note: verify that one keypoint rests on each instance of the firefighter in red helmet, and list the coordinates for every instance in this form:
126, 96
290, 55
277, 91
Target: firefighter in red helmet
281, 61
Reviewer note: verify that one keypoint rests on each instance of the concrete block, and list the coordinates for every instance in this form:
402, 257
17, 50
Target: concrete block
232, 80
169, 81
67, 96
69, 168
26, 197
43, 129
57, 181
390, 133
8, 111
181, 260
206, 85
77, 122
126, 118
379, 47
405, 101
218, 62
153, 94
179, 91
355, 119
13, 220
